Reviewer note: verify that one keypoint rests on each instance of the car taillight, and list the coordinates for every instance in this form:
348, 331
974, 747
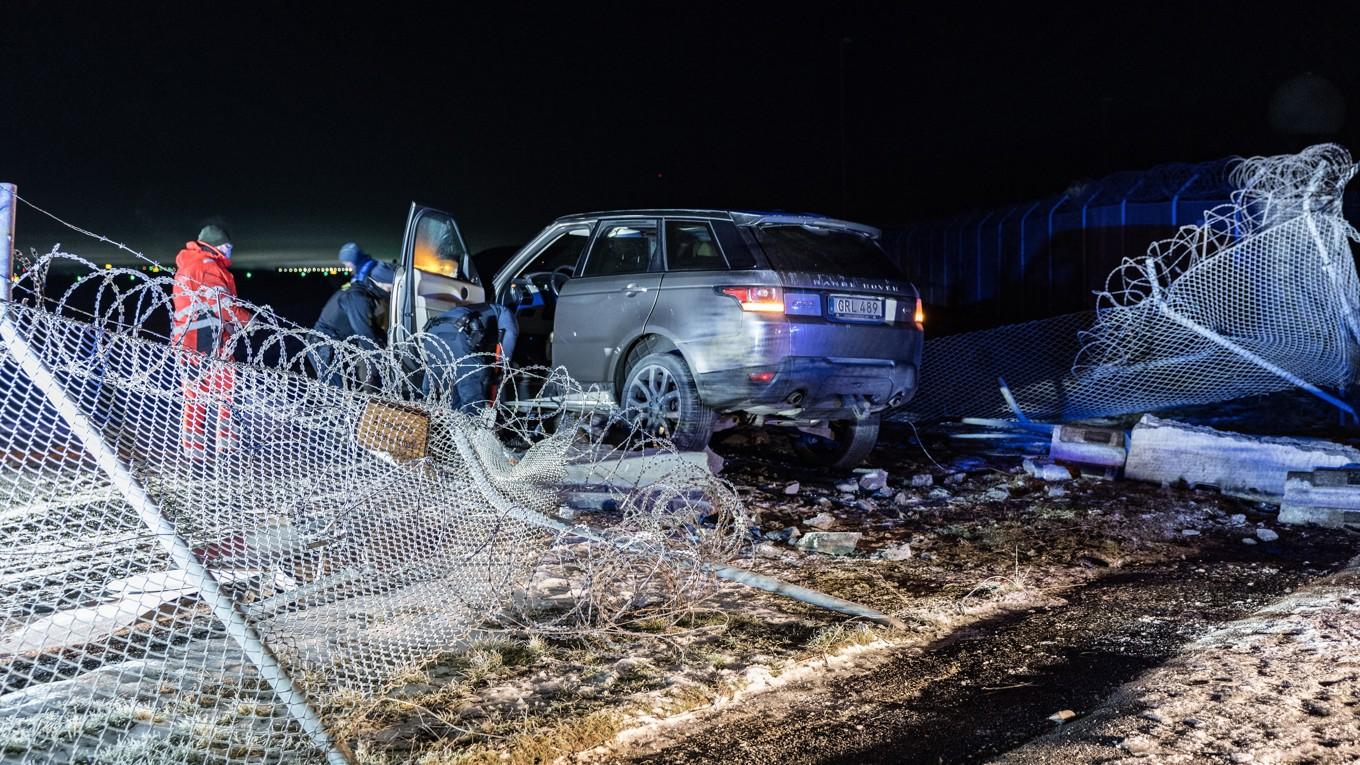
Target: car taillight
760, 299
920, 316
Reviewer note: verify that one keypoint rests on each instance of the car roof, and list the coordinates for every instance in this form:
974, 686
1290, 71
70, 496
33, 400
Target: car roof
744, 217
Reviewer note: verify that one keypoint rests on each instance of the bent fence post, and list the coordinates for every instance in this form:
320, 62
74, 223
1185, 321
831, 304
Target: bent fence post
1328, 267
241, 631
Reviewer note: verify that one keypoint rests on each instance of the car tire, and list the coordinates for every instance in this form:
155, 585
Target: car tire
659, 399
851, 444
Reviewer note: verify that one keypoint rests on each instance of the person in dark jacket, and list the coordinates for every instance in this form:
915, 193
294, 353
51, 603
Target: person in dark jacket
462, 347
357, 312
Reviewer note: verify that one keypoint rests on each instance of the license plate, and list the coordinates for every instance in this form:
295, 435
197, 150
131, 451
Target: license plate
857, 308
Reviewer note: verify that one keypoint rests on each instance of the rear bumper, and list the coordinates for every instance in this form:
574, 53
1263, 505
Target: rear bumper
811, 387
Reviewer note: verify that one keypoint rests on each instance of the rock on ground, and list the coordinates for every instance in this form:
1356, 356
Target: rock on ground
898, 553
831, 542
821, 521
873, 480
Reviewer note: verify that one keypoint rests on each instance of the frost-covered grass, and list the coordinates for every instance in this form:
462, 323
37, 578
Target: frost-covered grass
174, 732
46, 729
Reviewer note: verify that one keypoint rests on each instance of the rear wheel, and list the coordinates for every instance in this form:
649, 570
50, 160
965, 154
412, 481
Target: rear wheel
660, 400
851, 443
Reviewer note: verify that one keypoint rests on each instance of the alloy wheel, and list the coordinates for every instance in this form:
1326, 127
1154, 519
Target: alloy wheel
652, 401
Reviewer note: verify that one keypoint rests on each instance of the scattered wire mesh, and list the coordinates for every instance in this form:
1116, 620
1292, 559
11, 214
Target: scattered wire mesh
1262, 297
199, 552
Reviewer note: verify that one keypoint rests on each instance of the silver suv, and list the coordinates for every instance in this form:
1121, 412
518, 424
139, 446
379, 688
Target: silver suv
681, 316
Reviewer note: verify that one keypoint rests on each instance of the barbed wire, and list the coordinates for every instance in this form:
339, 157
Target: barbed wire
362, 527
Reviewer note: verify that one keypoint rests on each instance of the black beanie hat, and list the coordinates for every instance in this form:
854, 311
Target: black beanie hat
214, 235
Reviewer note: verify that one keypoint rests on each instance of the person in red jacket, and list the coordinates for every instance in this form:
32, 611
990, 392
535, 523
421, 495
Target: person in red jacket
207, 314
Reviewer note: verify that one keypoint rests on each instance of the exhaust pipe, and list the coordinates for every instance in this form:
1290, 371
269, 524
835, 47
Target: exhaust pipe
896, 399
795, 398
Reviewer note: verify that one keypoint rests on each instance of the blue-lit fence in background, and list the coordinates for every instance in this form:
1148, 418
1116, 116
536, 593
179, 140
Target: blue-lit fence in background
1047, 257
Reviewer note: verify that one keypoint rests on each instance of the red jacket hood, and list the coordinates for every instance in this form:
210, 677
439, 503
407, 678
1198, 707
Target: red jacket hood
192, 255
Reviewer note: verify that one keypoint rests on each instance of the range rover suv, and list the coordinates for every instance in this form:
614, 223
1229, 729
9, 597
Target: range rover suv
680, 316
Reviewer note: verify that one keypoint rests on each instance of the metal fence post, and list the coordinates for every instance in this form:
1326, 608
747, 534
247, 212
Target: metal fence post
979, 253
9, 196
1176, 198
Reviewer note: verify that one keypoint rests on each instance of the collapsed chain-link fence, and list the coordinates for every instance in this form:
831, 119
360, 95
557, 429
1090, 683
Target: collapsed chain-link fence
961, 374
1261, 297
203, 556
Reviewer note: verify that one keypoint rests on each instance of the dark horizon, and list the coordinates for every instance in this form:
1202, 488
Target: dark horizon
306, 128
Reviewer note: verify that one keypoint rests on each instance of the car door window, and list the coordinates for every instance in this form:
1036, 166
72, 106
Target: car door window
562, 254
691, 246
623, 248
439, 248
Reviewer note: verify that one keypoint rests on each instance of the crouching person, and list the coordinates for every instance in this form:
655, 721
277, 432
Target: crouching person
356, 313
463, 348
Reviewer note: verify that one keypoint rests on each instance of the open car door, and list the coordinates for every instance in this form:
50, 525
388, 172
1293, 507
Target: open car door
435, 273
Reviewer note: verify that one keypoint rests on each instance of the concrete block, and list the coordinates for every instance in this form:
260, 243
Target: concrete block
1165, 451
1047, 470
1092, 450
632, 470
1329, 497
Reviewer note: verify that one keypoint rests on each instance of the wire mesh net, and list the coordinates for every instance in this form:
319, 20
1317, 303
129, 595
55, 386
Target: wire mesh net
1261, 297
203, 556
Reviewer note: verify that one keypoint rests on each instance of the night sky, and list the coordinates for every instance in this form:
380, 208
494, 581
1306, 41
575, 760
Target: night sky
305, 127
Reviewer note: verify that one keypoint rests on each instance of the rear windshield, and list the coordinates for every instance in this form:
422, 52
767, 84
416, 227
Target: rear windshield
825, 250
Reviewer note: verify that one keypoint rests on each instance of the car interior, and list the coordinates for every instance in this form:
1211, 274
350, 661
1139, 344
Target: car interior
532, 294
690, 247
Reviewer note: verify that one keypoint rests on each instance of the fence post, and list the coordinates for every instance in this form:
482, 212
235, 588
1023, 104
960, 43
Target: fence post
1176, 198
238, 627
979, 253
9, 195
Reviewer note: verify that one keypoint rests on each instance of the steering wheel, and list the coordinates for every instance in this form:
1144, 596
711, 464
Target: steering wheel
557, 280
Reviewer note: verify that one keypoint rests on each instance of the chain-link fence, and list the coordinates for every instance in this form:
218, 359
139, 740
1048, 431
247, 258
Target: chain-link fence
206, 558
1262, 297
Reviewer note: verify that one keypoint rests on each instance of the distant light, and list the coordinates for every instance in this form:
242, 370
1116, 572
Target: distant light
107, 266
249, 275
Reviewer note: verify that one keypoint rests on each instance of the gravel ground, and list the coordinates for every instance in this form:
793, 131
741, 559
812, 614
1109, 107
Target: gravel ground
1087, 599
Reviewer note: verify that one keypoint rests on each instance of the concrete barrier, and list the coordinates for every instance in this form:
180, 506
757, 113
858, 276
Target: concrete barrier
1165, 451
1328, 497
1092, 450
